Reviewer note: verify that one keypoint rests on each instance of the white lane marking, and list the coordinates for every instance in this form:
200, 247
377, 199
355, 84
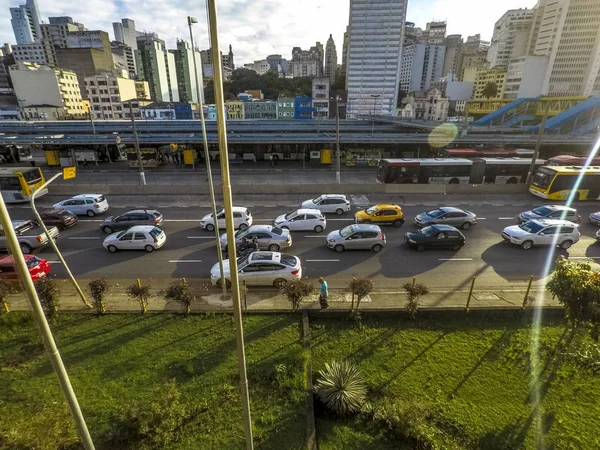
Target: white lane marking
506, 218
342, 219
182, 220
83, 238
455, 259
91, 220
185, 260
201, 237
482, 218
54, 262
322, 260
320, 237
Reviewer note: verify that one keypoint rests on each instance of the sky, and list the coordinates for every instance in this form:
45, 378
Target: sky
257, 28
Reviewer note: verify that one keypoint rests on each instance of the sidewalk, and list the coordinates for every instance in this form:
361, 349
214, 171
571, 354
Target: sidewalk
270, 300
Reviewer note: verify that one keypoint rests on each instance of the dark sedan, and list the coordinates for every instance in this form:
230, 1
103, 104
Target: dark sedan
594, 218
59, 218
135, 217
435, 236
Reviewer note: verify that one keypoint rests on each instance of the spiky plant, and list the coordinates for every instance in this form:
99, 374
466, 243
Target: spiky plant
341, 387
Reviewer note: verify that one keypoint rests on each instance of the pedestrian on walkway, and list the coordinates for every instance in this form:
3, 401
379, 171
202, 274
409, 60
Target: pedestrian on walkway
85, 163
271, 160
323, 294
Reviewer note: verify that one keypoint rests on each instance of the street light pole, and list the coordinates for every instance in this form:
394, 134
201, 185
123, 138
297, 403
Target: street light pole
137, 146
51, 241
44, 329
211, 188
338, 175
233, 267
538, 143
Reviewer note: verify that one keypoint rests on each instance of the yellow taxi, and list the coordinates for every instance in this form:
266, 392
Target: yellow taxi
380, 214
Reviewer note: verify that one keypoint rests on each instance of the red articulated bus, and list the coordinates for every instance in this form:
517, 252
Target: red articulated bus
569, 160
471, 153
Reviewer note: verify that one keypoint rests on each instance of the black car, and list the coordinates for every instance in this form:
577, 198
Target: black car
435, 236
131, 219
59, 218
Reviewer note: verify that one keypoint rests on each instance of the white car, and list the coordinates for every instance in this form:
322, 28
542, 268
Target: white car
542, 232
241, 219
261, 269
84, 204
558, 212
141, 237
329, 203
302, 219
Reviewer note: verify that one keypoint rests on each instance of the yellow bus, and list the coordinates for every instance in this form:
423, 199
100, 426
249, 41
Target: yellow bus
557, 182
18, 183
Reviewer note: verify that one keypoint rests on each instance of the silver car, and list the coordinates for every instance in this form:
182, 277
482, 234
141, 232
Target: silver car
329, 203
269, 238
558, 212
357, 237
447, 215
261, 269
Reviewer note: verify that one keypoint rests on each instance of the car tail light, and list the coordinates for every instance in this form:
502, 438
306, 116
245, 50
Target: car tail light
39, 238
248, 219
96, 206
154, 239
295, 272
288, 240
382, 237
322, 219
156, 220
578, 218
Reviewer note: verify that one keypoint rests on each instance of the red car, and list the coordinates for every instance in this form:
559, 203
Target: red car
38, 267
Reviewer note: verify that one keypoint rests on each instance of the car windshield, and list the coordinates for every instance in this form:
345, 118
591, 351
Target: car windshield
277, 231
541, 211
99, 199
435, 213
345, 232
318, 199
66, 213
289, 215
531, 227
241, 233
121, 234
155, 232
33, 262
288, 260
156, 214
371, 210
427, 231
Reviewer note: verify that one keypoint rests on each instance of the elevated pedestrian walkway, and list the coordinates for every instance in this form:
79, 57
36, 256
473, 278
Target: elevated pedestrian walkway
509, 114
582, 118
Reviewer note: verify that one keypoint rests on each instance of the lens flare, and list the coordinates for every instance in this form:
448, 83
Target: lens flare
442, 135
537, 312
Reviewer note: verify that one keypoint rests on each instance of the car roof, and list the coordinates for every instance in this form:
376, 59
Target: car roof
308, 211
140, 210
547, 222
387, 205
264, 257
260, 228
450, 209
366, 227
141, 228
442, 227
333, 195
10, 259
54, 211
238, 208
559, 207
86, 195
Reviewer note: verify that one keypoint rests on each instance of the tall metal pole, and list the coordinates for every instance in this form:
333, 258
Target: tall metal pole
92, 122
51, 241
538, 143
338, 176
233, 267
211, 189
44, 329
137, 146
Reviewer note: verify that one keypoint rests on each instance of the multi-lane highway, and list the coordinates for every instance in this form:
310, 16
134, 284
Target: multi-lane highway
191, 252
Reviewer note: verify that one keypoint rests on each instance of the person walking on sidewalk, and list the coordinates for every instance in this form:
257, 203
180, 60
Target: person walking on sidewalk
323, 294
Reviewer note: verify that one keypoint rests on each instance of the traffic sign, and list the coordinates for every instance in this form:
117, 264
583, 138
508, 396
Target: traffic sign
69, 172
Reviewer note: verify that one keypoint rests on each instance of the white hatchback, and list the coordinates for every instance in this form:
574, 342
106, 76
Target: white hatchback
542, 232
241, 219
302, 219
329, 203
84, 204
141, 237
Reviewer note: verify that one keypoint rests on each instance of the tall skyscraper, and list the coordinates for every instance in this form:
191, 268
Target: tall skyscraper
345, 54
330, 60
421, 66
25, 20
509, 40
157, 66
568, 32
434, 33
307, 63
374, 56
453, 56
184, 67
125, 32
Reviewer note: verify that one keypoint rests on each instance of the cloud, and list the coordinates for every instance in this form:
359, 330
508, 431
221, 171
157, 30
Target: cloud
257, 28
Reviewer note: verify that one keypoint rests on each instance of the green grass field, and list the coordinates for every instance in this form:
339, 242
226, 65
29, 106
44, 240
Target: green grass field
476, 372
117, 360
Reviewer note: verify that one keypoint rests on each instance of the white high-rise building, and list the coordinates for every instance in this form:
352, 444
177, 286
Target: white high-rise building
25, 20
125, 32
511, 33
376, 34
157, 66
568, 32
422, 65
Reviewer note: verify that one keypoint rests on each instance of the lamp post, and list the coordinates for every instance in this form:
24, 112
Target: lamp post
374, 97
137, 145
227, 201
338, 175
211, 188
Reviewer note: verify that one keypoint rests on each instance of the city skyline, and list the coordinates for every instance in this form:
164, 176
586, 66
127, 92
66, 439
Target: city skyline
243, 24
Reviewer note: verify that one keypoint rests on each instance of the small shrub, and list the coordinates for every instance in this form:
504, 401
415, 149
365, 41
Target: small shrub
360, 287
141, 294
341, 387
49, 295
414, 292
587, 358
180, 291
6, 288
295, 291
98, 288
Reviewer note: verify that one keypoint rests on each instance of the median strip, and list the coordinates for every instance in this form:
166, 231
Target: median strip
185, 260
83, 238
455, 259
322, 260
201, 237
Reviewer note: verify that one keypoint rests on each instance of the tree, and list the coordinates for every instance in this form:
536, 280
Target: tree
401, 95
49, 295
295, 291
360, 287
6, 288
180, 291
141, 294
490, 90
98, 288
341, 387
577, 288
414, 292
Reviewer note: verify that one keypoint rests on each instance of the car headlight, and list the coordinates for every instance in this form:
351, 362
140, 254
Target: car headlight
516, 238
331, 240
412, 241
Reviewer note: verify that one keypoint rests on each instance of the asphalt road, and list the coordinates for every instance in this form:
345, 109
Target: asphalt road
190, 251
